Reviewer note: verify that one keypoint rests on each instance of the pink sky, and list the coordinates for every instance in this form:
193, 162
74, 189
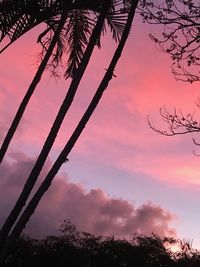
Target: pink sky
117, 156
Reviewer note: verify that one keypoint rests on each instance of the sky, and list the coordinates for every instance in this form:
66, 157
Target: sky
121, 177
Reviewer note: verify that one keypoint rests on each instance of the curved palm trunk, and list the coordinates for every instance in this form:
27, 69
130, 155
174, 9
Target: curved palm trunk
77, 132
54, 130
31, 89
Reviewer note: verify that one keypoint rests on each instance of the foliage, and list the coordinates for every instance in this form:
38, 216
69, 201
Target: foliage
76, 248
180, 38
20, 16
108, 6
180, 20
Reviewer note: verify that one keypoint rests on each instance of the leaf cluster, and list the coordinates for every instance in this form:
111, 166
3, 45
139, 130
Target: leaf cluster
19, 16
180, 20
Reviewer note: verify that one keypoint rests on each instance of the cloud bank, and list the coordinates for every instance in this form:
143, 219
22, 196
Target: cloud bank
92, 211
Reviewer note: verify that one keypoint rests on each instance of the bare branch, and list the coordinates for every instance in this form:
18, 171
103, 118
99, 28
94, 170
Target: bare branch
177, 123
180, 37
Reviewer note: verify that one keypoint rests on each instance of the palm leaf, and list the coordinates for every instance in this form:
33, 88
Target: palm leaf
73, 39
79, 27
78, 30
116, 22
19, 16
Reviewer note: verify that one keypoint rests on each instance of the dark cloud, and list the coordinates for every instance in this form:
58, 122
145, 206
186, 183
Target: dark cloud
91, 211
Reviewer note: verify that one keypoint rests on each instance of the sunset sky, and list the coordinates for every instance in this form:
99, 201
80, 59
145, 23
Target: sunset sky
121, 177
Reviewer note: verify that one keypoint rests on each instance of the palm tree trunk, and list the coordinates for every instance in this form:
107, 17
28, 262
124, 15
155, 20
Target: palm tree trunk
54, 130
31, 89
77, 132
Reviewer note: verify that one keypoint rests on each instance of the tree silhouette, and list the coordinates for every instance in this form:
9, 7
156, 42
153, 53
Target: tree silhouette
69, 29
82, 249
184, 52
76, 55
72, 29
20, 16
69, 145
50, 139
177, 123
180, 37
30, 182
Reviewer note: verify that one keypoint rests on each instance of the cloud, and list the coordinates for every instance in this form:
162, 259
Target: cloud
125, 143
91, 211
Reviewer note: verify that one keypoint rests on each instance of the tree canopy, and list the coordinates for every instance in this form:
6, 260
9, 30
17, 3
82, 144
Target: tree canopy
76, 248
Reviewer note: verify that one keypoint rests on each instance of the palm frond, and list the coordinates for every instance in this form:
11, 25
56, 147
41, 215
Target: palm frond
116, 22
78, 30
75, 35
71, 41
19, 16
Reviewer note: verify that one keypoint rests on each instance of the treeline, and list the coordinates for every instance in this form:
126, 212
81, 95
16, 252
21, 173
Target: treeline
80, 249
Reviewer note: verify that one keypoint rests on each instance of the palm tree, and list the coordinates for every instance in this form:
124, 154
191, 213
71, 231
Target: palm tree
71, 142
117, 27
63, 29
20, 16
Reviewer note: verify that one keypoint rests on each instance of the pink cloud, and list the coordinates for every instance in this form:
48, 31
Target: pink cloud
91, 211
165, 159
118, 133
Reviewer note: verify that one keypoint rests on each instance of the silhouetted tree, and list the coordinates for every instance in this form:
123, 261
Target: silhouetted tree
77, 29
74, 27
167, 13
153, 250
181, 39
63, 155
74, 248
70, 28
181, 34
177, 123
20, 16
186, 255
52, 135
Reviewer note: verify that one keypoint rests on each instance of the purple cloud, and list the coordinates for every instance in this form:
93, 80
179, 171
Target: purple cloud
91, 211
